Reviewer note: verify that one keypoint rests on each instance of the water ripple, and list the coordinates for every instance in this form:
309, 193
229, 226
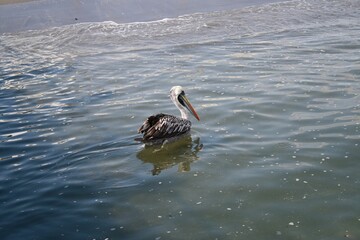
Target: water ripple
276, 88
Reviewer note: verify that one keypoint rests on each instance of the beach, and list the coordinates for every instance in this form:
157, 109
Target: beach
31, 15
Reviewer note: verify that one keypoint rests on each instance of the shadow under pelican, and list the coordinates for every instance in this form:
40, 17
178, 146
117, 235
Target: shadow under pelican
181, 152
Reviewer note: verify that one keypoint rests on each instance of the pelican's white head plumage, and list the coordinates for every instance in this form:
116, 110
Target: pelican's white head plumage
178, 97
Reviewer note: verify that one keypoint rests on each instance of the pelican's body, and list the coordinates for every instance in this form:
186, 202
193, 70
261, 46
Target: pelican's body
164, 126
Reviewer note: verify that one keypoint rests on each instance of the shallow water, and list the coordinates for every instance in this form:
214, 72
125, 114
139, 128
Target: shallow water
275, 155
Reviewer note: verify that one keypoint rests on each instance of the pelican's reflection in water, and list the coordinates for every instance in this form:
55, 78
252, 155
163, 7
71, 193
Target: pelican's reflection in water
181, 152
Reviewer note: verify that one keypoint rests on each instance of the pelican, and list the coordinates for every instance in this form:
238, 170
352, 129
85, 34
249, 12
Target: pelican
162, 126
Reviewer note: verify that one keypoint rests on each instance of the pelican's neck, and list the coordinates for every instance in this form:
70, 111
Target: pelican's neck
184, 113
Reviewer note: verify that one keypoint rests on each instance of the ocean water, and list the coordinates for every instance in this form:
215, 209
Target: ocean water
275, 155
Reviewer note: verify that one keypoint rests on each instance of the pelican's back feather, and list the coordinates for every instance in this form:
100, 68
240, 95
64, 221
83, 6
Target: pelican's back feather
163, 126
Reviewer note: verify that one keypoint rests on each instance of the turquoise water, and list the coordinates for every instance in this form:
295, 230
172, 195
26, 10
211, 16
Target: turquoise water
275, 155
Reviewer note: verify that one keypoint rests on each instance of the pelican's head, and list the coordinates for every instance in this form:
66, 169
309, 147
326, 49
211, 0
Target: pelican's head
178, 97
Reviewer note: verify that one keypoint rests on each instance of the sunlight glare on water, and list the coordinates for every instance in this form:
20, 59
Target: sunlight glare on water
275, 154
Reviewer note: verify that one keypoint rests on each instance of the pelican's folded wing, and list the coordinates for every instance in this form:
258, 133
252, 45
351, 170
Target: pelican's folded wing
164, 126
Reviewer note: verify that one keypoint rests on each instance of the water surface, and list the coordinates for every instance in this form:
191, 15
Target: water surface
275, 155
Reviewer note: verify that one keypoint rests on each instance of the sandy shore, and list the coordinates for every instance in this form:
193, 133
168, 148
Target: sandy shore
14, 1
20, 15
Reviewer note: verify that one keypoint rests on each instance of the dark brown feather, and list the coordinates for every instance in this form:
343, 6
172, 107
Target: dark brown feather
162, 126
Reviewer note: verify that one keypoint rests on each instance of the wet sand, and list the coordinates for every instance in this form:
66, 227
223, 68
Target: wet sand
20, 15
14, 1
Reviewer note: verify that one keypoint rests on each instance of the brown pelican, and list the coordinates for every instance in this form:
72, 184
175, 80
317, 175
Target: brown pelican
160, 127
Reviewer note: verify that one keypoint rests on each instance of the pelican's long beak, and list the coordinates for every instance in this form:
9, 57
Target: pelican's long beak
189, 106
